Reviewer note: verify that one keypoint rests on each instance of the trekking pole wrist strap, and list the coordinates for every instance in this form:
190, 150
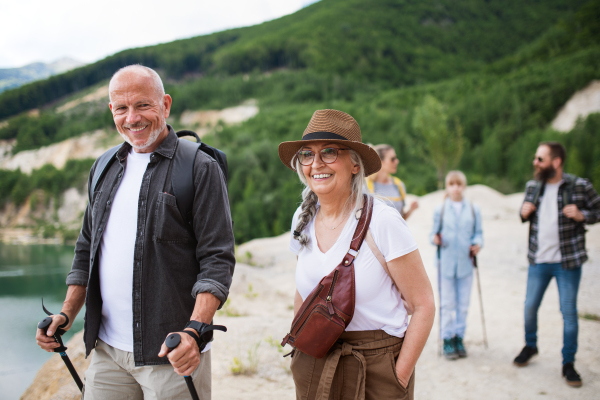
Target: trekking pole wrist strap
60, 330
66, 322
203, 332
201, 345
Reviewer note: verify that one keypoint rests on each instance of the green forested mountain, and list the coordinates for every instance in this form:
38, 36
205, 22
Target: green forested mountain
15, 77
502, 70
398, 42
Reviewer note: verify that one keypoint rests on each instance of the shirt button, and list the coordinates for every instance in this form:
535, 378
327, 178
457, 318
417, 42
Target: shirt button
108, 203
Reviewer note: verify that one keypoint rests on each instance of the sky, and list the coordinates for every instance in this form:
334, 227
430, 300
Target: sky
42, 30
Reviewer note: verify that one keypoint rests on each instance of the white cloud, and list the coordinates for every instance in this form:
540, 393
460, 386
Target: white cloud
42, 30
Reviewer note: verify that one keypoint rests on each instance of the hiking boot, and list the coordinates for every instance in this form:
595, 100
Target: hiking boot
572, 377
460, 347
450, 349
525, 355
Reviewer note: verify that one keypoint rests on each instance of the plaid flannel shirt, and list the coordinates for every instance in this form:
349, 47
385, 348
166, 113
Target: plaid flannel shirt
571, 233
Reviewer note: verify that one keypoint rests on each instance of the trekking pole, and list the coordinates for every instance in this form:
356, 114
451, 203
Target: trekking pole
485, 342
43, 325
439, 271
171, 342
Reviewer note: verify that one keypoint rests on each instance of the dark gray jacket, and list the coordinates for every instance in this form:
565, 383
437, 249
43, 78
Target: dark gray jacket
172, 261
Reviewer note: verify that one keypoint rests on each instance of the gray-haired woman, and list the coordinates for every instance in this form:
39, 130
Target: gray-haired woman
379, 349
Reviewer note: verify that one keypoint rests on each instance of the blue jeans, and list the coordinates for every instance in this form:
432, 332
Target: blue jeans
567, 281
456, 296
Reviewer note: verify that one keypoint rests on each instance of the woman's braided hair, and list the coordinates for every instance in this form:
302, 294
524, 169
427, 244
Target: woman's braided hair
309, 198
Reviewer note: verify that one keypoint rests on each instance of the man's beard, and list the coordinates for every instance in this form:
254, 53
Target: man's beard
545, 173
151, 138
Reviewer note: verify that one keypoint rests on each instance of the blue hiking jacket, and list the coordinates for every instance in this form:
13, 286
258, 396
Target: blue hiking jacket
459, 232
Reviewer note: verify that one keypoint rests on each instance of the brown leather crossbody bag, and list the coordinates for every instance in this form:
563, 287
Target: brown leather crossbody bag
329, 308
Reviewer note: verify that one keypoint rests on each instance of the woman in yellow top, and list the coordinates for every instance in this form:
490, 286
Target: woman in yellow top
388, 186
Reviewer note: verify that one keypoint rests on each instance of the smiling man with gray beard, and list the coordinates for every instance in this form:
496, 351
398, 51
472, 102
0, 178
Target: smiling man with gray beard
146, 271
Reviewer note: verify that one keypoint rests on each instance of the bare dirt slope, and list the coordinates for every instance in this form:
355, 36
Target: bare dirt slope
259, 313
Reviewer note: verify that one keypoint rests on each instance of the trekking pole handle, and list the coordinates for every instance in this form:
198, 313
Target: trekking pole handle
172, 341
44, 324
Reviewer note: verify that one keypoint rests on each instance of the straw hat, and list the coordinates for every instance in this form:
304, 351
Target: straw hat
332, 126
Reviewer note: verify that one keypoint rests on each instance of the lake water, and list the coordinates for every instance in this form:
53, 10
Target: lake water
28, 273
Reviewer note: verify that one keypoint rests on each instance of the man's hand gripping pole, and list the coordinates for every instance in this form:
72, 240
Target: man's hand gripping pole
43, 325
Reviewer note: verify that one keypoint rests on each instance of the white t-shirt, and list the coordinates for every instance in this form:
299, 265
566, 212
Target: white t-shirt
548, 239
378, 303
116, 257
457, 205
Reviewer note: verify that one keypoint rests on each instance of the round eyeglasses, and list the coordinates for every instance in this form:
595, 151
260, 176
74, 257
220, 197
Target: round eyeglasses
328, 155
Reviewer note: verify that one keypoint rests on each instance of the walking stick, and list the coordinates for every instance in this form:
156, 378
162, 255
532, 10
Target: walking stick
485, 342
43, 325
439, 276
173, 341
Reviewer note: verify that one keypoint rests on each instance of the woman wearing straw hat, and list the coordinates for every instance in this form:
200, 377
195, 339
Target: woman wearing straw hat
375, 356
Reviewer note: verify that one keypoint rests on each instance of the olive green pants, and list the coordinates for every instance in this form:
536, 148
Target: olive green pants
362, 367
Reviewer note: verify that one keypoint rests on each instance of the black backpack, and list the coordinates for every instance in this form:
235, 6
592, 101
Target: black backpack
182, 173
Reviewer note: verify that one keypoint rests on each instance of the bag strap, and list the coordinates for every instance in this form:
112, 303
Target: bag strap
102, 165
474, 217
182, 177
400, 187
540, 188
360, 232
568, 189
375, 250
370, 185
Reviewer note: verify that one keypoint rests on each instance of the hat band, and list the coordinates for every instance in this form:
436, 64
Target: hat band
323, 135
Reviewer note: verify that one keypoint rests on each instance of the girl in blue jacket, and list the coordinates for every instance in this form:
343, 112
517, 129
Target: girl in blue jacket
458, 235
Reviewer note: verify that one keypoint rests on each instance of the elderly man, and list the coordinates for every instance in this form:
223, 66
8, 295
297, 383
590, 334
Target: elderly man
557, 206
141, 270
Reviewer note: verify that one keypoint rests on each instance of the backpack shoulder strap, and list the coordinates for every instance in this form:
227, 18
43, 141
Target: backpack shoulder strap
538, 191
568, 189
182, 174
474, 217
442, 216
102, 165
370, 185
182, 177
400, 186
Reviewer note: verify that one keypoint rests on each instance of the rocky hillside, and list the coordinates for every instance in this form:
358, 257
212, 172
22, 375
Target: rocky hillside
43, 218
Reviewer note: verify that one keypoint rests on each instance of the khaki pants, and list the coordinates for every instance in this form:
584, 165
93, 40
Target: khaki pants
363, 367
112, 375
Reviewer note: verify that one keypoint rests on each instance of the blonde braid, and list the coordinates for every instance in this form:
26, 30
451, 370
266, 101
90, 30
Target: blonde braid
309, 209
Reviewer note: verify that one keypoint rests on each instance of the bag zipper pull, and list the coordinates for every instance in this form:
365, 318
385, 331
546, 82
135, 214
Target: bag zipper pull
285, 340
330, 306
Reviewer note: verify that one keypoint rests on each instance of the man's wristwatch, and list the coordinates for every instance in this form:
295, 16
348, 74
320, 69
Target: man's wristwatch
204, 332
